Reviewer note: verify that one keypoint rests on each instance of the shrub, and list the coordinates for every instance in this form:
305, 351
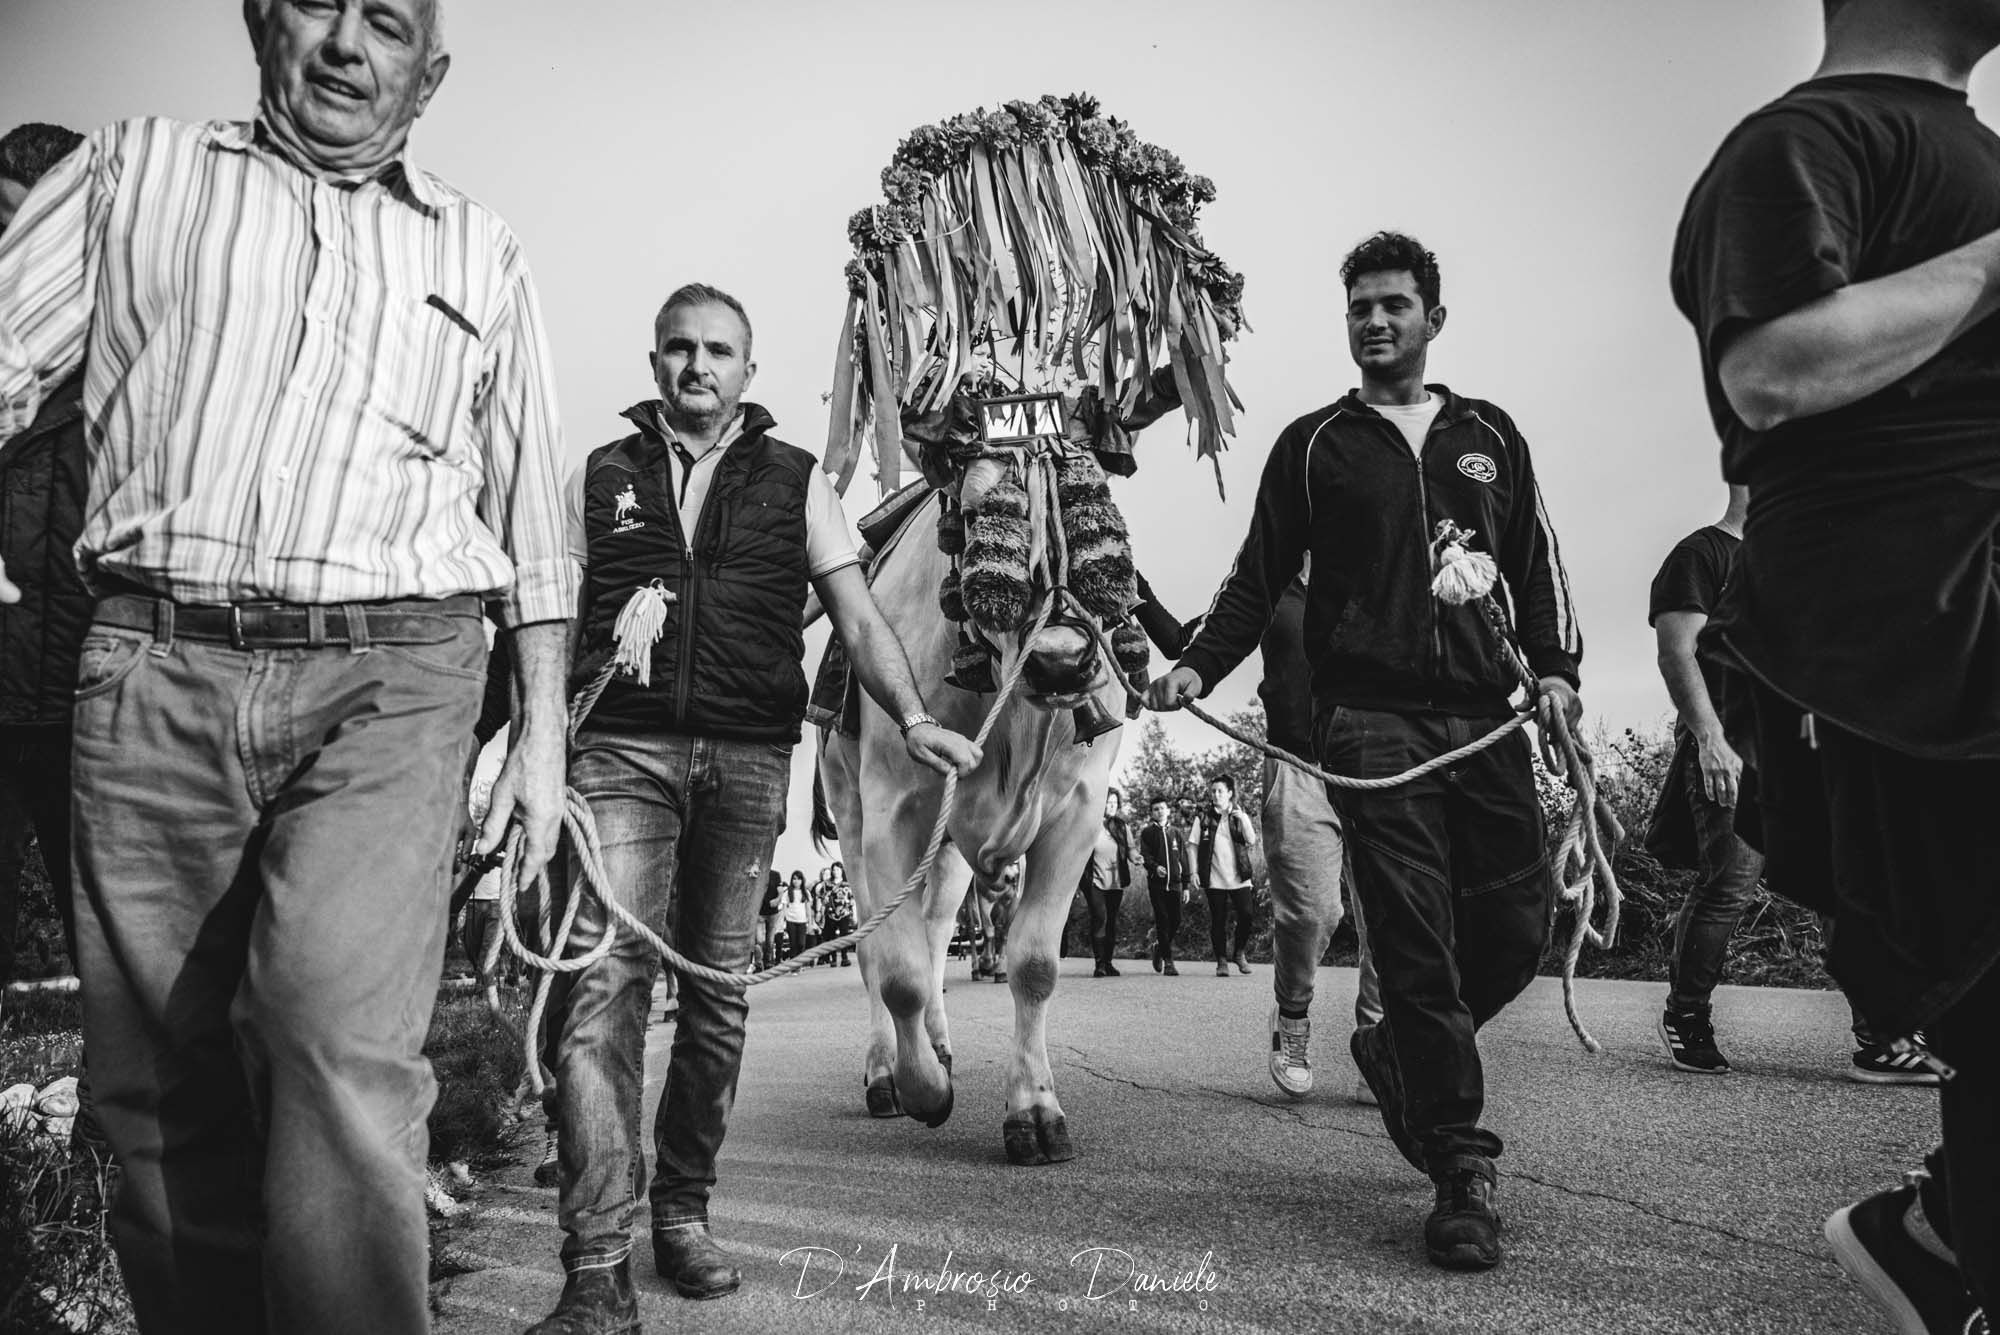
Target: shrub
57, 1270
479, 1064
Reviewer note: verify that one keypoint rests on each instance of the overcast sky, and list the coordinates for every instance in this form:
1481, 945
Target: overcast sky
1541, 147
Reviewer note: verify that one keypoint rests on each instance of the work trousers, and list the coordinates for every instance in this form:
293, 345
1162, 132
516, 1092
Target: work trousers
263, 845
687, 826
1455, 888
1307, 858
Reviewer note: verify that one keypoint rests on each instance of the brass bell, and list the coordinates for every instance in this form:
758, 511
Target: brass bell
1092, 720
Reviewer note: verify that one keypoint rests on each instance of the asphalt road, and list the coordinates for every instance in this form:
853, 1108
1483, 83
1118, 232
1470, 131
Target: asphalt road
1635, 1198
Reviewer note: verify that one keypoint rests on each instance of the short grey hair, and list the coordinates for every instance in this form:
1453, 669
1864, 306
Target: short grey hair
257, 12
701, 294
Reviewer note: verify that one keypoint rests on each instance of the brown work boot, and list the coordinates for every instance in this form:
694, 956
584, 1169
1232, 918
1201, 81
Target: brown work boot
596, 1300
688, 1256
1463, 1231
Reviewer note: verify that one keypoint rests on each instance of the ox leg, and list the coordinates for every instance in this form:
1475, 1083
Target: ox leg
878, 1072
1035, 1131
907, 978
943, 895
840, 764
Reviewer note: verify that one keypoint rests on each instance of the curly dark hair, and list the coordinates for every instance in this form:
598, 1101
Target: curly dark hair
1388, 252
28, 151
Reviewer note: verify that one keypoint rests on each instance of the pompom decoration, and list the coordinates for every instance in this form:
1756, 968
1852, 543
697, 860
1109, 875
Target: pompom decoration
638, 628
972, 668
1129, 647
951, 596
1463, 576
996, 559
951, 533
1100, 550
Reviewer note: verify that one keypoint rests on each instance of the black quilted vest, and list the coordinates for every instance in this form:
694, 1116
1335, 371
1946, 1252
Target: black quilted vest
730, 661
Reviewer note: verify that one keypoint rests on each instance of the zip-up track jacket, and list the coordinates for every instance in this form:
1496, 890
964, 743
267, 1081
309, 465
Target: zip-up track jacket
1342, 484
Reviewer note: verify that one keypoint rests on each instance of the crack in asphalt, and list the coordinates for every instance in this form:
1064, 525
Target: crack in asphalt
1297, 1115
1663, 1216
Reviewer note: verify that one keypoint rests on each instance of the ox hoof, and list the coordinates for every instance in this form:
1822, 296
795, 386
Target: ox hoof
882, 1100
1000, 976
1034, 1138
943, 1113
938, 1118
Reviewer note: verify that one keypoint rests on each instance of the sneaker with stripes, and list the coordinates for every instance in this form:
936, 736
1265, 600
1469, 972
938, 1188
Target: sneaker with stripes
1893, 1064
1690, 1040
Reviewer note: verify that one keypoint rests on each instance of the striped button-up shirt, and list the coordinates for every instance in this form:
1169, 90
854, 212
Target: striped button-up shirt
297, 389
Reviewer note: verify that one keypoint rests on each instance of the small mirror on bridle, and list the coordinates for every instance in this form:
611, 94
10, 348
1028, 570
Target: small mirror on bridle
1021, 419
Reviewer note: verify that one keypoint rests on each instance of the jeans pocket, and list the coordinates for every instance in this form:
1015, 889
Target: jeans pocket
461, 655
104, 661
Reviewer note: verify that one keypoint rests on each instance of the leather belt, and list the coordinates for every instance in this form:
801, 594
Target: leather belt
269, 625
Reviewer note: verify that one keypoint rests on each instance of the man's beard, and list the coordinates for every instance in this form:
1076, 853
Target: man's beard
704, 418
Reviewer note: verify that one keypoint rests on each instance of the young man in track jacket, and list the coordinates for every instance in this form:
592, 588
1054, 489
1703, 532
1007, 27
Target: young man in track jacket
1451, 869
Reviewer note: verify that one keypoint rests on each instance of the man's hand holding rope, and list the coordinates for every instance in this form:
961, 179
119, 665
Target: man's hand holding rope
1554, 695
530, 788
1173, 690
941, 749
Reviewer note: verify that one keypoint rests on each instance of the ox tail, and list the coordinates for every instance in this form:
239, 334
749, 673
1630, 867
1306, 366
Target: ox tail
823, 828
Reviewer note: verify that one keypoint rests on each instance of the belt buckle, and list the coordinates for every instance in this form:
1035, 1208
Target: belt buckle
238, 637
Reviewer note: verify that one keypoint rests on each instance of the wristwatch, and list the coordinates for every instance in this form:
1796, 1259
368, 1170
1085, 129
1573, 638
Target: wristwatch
912, 720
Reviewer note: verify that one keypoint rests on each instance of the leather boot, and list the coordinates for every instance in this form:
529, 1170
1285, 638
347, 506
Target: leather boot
1463, 1231
596, 1300
687, 1256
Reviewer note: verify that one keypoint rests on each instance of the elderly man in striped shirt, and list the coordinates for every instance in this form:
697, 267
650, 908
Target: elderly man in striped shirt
322, 431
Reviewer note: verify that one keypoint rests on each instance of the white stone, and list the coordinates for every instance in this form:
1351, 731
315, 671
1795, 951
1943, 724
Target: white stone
58, 1099
16, 1096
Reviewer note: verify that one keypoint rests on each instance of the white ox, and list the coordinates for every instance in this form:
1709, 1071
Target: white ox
1038, 796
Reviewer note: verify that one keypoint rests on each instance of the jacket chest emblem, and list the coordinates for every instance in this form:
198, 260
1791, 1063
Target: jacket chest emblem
1478, 467
625, 511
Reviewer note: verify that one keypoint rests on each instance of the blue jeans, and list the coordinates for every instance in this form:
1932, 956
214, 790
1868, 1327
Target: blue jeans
263, 841
1730, 871
700, 816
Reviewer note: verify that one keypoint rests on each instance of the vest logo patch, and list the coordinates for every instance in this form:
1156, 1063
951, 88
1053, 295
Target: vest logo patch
625, 516
1478, 467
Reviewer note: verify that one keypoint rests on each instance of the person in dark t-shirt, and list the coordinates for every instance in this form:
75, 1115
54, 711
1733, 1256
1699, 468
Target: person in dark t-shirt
1840, 262
1703, 782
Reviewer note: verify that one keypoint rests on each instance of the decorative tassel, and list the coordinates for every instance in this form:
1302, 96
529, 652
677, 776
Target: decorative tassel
1100, 549
1459, 574
1463, 576
639, 627
996, 559
951, 533
1129, 647
951, 596
971, 668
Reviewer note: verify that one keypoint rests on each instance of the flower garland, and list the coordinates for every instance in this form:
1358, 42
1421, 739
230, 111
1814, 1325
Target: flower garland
1045, 237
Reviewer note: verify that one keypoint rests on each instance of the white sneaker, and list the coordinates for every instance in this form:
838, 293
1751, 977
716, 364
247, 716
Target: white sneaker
1291, 1068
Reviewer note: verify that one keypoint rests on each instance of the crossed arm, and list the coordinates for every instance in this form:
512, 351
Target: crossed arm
1857, 340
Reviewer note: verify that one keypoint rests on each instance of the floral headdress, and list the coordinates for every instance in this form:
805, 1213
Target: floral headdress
1044, 244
